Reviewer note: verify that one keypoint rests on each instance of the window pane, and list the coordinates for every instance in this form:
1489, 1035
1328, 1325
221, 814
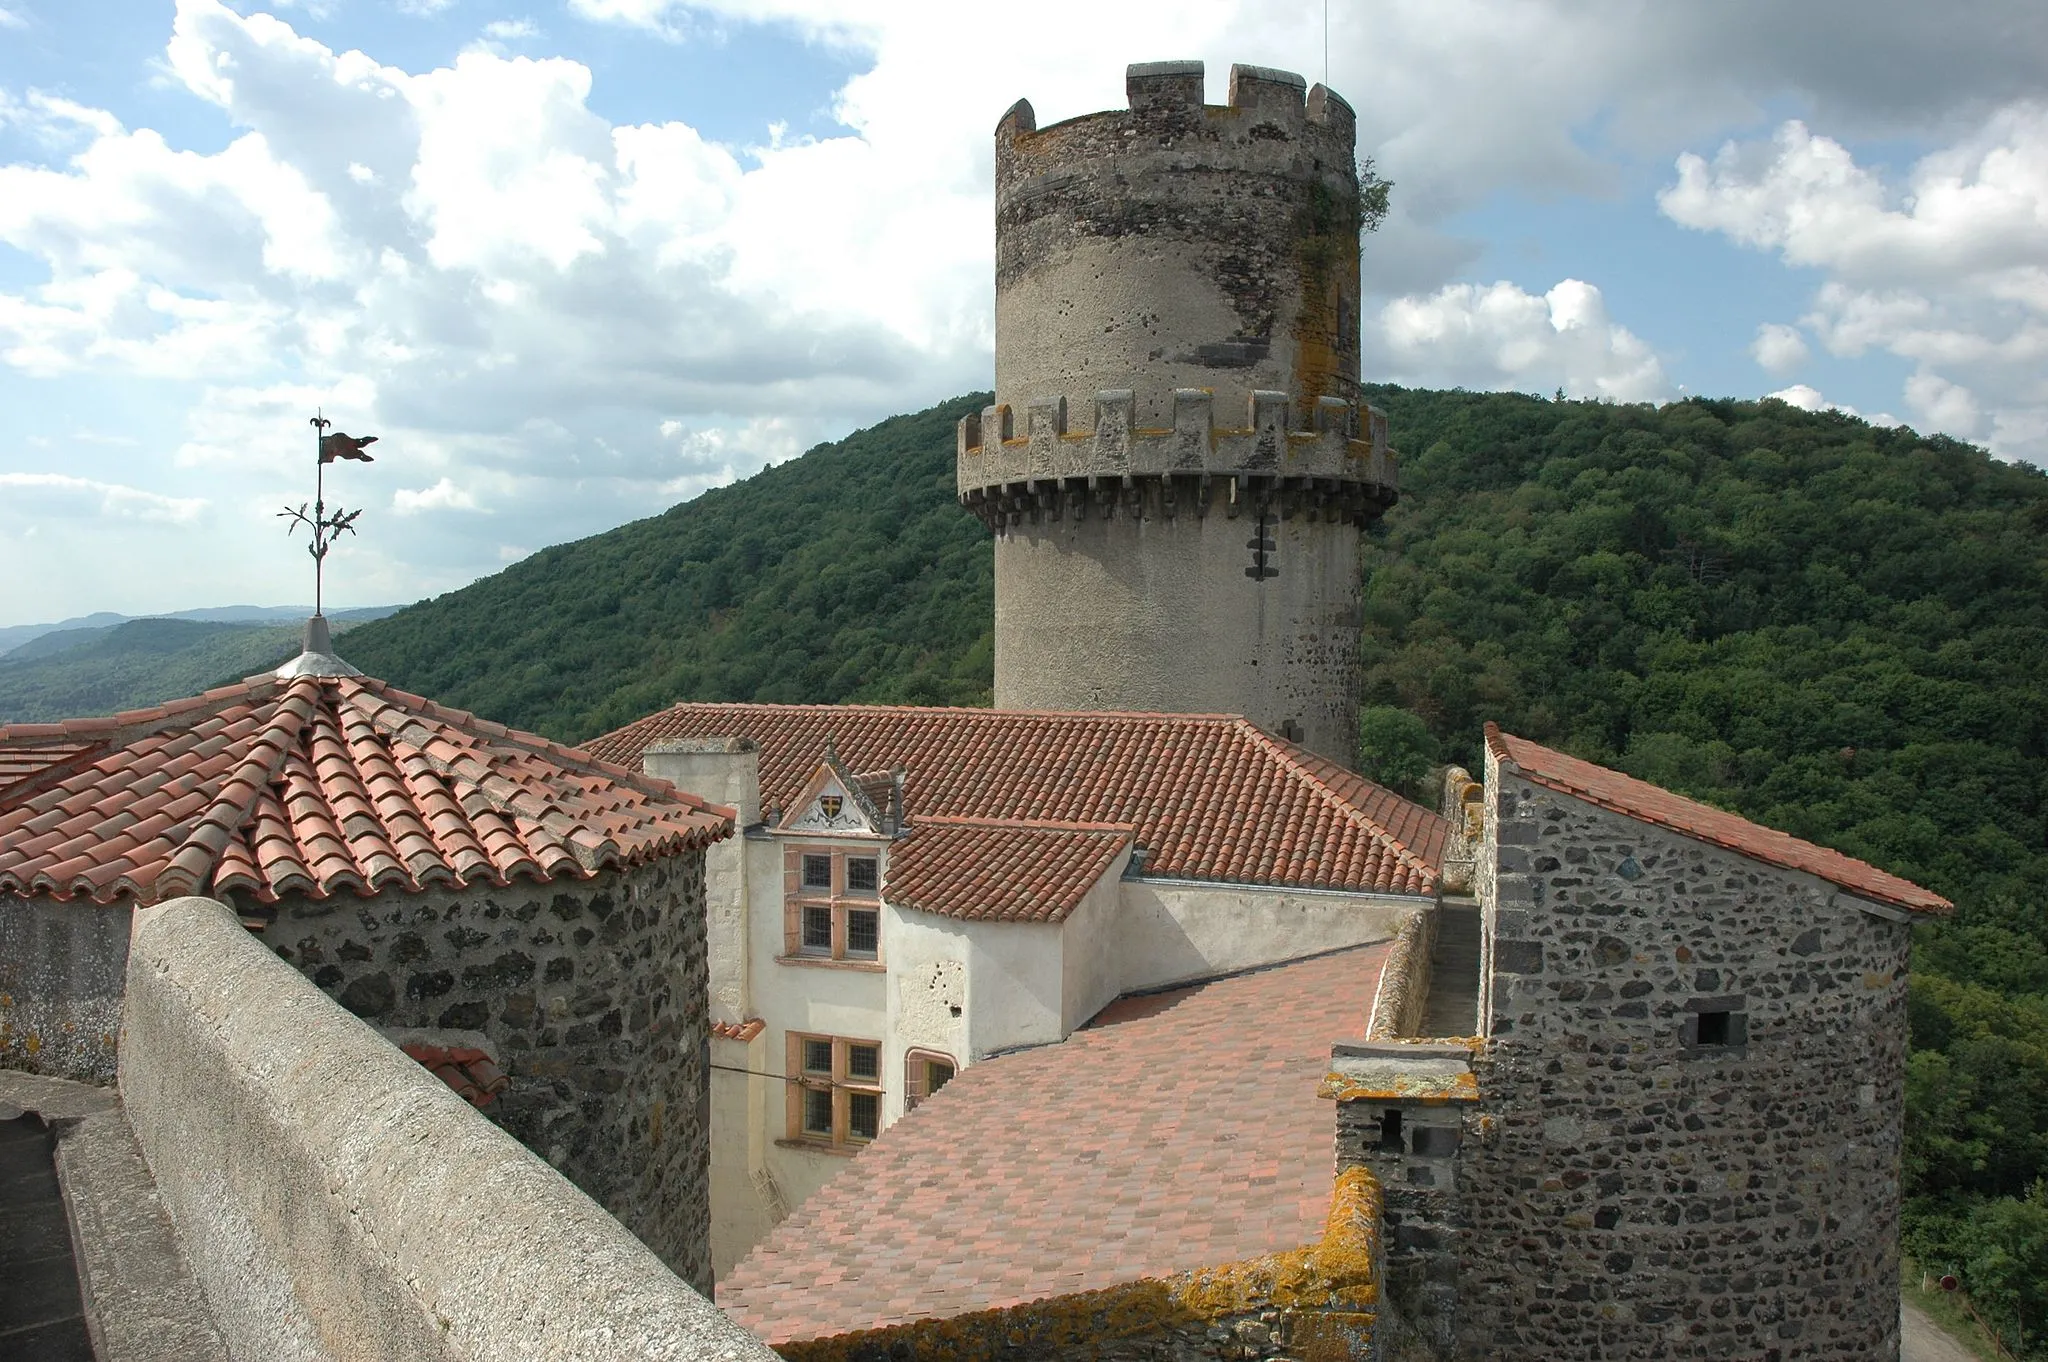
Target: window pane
935, 1076
863, 1115
818, 929
818, 1112
817, 872
860, 875
817, 1056
863, 932
864, 1061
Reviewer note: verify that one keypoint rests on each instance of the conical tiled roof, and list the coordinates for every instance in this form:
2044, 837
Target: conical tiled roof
318, 785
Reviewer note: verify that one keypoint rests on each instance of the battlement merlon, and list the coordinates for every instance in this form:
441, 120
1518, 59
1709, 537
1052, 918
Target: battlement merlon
1340, 443
1168, 96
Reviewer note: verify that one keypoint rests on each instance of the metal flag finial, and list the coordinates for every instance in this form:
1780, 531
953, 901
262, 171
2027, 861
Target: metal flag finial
326, 528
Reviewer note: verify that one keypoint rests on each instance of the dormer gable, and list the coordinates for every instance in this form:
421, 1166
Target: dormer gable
833, 801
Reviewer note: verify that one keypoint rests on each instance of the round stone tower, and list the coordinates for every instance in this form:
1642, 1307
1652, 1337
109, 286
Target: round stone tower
1177, 466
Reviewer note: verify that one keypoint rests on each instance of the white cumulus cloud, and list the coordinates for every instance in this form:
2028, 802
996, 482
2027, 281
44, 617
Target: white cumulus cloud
1779, 348
1808, 398
442, 496
29, 497
1947, 268
1502, 336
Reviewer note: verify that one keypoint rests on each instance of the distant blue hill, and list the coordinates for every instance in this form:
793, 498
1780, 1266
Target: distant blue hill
14, 637
107, 668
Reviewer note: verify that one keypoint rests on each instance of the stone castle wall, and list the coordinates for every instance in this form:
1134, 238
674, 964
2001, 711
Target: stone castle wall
591, 991
61, 969
1630, 1188
1159, 615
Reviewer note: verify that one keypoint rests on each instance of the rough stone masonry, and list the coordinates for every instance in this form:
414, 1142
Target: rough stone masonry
1685, 1132
591, 991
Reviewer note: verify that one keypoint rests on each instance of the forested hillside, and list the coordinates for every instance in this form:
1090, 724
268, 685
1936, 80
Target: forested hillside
847, 574
1833, 629
103, 669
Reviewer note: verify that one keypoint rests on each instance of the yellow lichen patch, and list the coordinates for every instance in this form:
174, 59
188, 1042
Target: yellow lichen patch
1326, 1295
1339, 1272
1333, 1337
1392, 1085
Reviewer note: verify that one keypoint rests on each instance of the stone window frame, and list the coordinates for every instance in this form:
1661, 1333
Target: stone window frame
838, 899
1735, 1006
917, 1084
842, 1087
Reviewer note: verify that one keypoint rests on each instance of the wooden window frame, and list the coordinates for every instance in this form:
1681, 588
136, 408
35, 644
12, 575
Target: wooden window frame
841, 1083
837, 899
915, 1075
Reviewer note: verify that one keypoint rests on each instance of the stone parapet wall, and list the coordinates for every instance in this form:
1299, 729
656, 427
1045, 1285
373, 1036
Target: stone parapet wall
1333, 463
592, 994
61, 967
337, 1201
1430, 1090
1404, 981
1695, 1093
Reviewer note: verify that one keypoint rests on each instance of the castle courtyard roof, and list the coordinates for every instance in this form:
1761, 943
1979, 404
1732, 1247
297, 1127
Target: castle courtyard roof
1177, 1131
318, 785
1639, 799
1210, 796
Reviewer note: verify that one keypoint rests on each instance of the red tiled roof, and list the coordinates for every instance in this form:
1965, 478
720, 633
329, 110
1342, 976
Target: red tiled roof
741, 1030
1639, 799
1017, 871
32, 757
1171, 1134
1212, 796
473, 1075
318, 785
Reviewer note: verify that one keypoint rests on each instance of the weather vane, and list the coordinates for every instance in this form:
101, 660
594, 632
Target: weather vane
325, 527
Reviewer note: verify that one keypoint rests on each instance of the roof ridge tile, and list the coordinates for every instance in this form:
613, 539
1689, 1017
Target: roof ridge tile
1631, 797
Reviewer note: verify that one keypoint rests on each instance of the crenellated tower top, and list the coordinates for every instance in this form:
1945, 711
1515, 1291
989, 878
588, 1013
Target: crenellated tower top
1177, 244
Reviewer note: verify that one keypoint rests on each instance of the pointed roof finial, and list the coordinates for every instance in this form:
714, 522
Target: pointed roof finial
317, 657
832, 749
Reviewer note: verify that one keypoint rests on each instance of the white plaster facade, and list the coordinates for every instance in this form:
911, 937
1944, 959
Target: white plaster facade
960, 988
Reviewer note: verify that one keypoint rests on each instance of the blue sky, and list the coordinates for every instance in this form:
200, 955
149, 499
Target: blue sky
576, 260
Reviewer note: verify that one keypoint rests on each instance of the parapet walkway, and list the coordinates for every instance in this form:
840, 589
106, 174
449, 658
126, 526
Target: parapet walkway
41, 1312
89, 1266
1452, 1008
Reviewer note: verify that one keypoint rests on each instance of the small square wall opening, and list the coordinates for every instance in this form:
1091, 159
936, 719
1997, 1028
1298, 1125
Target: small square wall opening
1716, 1028
1390, 1131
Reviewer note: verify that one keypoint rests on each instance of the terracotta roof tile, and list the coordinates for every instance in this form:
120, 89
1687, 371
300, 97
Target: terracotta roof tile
1211, 796
1018, 870
1639, 799
473, 1075
1166, 1136
740, 1030
318, 786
